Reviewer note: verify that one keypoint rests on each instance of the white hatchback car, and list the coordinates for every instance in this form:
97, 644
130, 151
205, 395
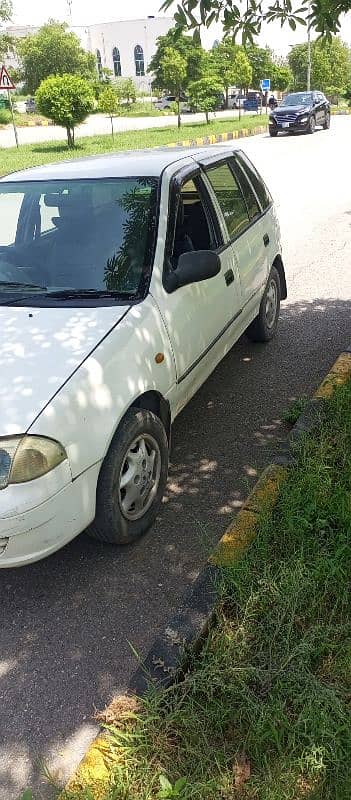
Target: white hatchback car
124, 280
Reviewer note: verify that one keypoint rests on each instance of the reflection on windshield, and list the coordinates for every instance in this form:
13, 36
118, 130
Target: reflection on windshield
82, 234
298, 99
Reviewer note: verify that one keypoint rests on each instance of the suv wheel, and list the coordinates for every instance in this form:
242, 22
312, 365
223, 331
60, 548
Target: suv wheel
263, 328
326, 123
132, 479
311, 125
273, 133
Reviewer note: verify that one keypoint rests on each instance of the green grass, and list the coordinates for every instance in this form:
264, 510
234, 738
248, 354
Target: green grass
296, 408
264, 711
31, 155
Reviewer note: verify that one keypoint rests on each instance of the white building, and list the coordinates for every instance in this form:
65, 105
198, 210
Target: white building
124, 46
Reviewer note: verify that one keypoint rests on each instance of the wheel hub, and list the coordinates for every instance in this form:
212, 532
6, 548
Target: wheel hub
139, 477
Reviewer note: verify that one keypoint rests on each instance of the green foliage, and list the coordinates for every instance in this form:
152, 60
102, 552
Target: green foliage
222, 61
109, 101
292, 414
331, 65
5, 116
281, 77
6, 8
53, 51
245, 17
194, 57
27, 795
169, 791
67, 100
204, 94
261, 60
173, 67
126, 90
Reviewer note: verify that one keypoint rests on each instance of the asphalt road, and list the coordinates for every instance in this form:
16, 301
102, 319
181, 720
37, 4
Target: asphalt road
67, 622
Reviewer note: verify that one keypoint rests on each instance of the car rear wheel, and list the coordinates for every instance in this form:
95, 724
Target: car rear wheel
132, 479
311, 125
264, 326
273, 133
326, 123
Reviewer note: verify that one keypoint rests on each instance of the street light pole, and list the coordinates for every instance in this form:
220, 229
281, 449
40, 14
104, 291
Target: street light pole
309, 60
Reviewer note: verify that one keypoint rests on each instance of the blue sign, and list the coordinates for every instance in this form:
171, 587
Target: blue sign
266, 84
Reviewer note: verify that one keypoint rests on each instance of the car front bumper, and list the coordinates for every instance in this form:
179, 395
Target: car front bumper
291, 127
32, 527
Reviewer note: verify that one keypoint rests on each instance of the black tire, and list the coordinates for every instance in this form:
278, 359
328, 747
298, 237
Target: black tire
110, 523
326, 123
273, 134
311, 124
262, 329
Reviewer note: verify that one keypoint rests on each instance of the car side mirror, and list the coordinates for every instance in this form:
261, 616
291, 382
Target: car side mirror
192, 267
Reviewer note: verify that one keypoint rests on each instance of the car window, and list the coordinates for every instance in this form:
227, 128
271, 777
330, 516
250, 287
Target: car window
255, 179
10, 207
195, 226
230, 199
252, 203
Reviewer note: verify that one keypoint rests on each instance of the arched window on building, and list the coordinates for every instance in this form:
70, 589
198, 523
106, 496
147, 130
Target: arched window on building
139, 61
116, 57
99, 62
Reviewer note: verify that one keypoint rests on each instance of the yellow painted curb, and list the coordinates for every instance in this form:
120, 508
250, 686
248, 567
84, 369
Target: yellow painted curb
242, 530
339, 374
94, 770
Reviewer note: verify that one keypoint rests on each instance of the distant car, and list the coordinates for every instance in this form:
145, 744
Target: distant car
236, 100
166, 103
124, 280
31, 105
300, 112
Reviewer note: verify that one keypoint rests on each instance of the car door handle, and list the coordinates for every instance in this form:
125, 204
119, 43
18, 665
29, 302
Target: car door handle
229, 277
266, 240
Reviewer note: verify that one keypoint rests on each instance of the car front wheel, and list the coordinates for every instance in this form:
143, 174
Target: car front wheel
273, 133
132, 479
311, 125
264, 326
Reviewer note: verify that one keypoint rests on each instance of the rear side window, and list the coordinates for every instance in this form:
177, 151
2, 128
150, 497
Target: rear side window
256, 180
230, 199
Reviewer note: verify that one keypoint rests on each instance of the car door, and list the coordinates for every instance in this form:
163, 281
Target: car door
199, 317
318, 108
242, 216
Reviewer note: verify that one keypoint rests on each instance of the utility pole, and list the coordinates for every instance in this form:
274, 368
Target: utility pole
309, 60
69, 3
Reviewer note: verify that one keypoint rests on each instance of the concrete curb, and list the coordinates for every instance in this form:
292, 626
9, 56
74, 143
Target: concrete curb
184, 632
220, 137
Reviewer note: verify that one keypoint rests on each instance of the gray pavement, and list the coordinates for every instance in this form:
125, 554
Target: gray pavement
67, 622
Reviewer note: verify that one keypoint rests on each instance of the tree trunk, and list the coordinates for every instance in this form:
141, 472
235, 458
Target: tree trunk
70, 136
179, 120
207, 117
226, 96
112, 131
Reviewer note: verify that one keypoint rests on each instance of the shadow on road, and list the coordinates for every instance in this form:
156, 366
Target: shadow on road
67, 621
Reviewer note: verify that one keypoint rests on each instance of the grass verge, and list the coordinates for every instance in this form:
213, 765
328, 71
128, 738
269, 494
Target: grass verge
264, 711
32, 155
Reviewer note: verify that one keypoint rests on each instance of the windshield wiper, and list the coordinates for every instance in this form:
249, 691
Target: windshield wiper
81, 294
14, 285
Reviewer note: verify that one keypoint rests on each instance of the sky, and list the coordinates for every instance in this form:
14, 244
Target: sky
83, 13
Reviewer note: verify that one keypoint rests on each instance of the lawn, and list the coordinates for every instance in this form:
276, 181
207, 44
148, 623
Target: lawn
264, 711
31, 155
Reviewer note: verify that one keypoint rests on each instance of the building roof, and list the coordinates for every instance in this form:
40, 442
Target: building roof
112, 165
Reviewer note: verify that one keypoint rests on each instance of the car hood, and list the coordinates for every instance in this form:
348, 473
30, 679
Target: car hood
40, 348
282, 110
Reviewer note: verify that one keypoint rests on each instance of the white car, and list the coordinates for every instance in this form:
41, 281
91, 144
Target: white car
124, 280
166, 103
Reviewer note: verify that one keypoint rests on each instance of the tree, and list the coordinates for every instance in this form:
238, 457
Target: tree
246, 16
204, 93
109, 103
281, 77
331, 65
53, 51
6, 41
126, 90
261, 61
67, 100
222, 60
172, 74
194, 56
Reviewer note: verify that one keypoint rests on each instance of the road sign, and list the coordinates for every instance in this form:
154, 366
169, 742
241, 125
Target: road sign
266, 84
5, 80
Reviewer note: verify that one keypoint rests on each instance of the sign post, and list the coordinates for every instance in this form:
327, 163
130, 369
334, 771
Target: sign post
266, 87
7, 83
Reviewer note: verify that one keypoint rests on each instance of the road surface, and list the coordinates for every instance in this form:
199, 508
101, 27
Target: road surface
67, 622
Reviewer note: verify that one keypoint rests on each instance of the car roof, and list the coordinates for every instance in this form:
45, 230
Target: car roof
125, 163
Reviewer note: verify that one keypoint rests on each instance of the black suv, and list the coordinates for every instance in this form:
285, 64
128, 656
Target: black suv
300, 112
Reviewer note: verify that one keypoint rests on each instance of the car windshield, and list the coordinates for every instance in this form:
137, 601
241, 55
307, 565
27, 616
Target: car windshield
77, 235
298, 99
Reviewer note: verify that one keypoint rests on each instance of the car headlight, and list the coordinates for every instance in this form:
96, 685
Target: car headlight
304, 118
24, 458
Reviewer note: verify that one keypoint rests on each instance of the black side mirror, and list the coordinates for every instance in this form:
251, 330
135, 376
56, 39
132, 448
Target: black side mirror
192, 267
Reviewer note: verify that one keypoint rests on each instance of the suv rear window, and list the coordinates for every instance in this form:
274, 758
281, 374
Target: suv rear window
256, 180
